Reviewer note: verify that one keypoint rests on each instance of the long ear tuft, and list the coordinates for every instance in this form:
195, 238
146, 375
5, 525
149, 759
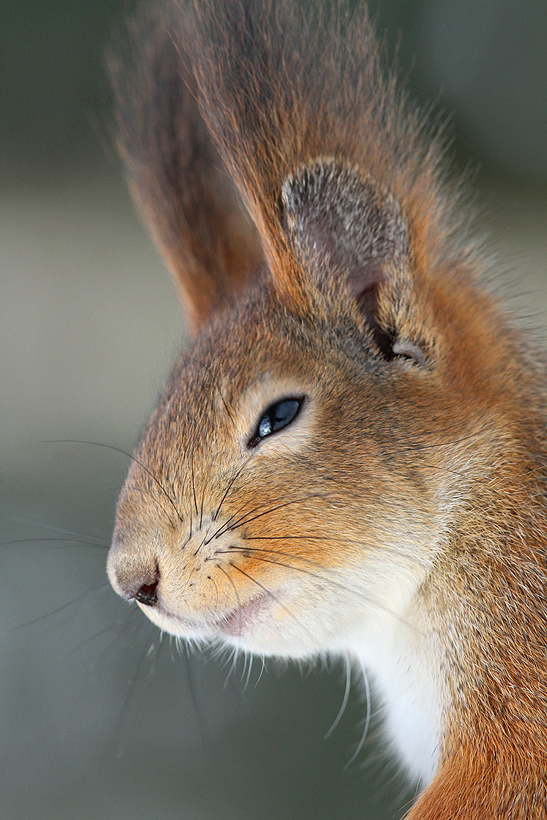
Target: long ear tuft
282, 85
176, 175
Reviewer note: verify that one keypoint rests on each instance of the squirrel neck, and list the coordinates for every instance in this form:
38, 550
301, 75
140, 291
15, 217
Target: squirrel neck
428, 663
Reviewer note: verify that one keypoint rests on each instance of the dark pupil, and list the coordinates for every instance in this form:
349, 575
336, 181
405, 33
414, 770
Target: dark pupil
277, 416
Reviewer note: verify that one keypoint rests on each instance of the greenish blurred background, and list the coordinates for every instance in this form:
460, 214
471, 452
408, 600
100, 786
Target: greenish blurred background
98, 719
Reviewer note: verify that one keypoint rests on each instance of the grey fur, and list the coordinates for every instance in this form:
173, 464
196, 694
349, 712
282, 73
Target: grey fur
331, 210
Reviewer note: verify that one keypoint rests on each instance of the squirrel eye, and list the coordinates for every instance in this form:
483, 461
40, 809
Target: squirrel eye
275, 417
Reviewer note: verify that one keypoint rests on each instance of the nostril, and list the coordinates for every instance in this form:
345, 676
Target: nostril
147, 594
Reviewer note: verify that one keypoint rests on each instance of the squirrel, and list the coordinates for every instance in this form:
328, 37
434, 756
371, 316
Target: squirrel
350, 455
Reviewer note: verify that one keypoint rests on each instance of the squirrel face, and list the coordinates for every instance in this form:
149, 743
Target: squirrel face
267, 504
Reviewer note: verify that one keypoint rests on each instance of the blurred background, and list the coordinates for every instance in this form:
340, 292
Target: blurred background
98, 718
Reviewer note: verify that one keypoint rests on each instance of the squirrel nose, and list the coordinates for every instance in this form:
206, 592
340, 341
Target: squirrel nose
133, 576
147, 594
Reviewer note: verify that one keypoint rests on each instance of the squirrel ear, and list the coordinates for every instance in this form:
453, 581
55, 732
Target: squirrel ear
342, 223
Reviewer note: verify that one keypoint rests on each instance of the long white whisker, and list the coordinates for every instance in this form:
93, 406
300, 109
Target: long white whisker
345, 700
367, 720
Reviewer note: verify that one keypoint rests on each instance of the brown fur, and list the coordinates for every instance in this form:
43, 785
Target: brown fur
355, 284
175, 172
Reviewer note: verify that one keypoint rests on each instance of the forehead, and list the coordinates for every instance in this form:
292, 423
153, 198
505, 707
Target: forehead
258, 339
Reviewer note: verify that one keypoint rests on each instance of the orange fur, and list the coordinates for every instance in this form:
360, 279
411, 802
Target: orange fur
301, 204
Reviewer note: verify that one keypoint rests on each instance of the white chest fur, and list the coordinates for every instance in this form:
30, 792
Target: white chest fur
402, 676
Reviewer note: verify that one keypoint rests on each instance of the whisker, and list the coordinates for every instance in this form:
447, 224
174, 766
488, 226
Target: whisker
62, 530
208, 539
238, 600
392, 550
212, 580
201, 507
247, 662
320, 577
132, 620
366, 724
234, 655
345, 700
203, 540
243, 521
56, 540
129, 455
146, 492
203, 728
193, 475
225, 524
230, 485
148, 652
62, 608
108, 628
301, 537
191, 529
264, 588
416, 441
262, 670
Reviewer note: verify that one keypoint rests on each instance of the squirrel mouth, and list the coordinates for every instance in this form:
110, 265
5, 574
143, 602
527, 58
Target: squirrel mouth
234, 623
239, 620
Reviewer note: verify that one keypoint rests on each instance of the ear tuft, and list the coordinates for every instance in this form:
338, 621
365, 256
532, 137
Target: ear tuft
335, 216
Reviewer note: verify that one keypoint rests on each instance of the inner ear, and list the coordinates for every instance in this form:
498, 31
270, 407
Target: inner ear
346, 227
367, 302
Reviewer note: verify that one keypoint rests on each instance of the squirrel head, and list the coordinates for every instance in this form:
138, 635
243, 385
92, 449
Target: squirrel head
299, 475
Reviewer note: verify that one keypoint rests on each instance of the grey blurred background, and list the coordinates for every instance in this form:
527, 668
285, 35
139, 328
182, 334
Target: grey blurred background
98, 719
